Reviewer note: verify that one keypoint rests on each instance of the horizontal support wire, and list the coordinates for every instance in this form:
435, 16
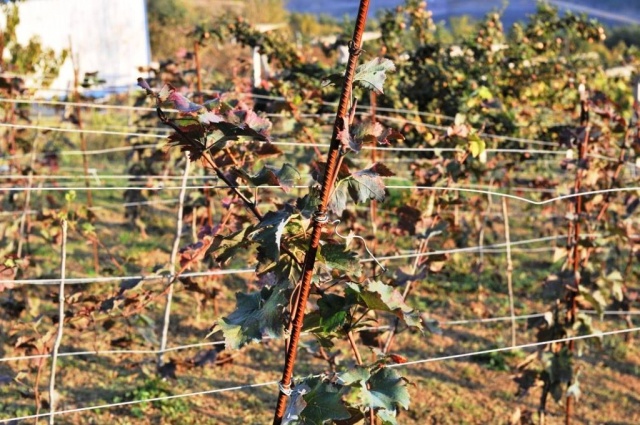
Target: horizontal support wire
269, 383
473, 248
381, 148
514, 347
390, 187
267, 338
104, 279
256, 96
149, 400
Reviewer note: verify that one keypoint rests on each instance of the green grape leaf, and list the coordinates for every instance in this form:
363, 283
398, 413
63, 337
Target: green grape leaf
476, 145
356, 375
365, 132
227, 247
338, 201
371, 75
256, 315
285, 177
360, 186
379, 296
324, 403
368, 184
268, 233
387, 390
388, 417
333, 311
338, 257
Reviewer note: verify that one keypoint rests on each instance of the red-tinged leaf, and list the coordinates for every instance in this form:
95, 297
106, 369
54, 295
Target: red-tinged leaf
345, 140
210, 118
164, 92
408, 217
390, 136
285, 177
268, 149
397, 358
195, 252
382, 170
183, 104
142, 83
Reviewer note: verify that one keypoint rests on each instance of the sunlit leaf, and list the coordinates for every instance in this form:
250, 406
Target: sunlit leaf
379, 296
371, 75
257, 314
324, 403
285, 177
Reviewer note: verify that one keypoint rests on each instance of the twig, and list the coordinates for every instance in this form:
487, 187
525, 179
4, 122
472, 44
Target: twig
23, 233
56, 344
172, 260
507, 237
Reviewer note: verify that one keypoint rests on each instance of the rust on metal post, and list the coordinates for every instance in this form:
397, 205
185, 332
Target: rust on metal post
320, 217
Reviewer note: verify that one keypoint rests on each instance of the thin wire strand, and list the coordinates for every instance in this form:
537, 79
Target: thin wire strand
149, 400
269, 383
516, 347
391, 187
267, 338
104, 279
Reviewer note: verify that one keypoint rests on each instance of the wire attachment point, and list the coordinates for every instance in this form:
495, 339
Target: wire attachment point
320, 217
353, 50
286, 390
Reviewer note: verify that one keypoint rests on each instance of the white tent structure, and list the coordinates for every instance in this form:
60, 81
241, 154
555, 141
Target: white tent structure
108, 36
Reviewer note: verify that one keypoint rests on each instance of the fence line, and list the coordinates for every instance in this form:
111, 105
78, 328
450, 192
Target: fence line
123, 204
269, 383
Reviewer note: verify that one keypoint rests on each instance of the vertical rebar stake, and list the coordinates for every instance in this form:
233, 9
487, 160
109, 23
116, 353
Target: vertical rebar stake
320, 217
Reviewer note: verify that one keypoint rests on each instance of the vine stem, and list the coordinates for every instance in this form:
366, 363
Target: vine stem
320, 217
507, 237
83, 148
571, 300
24, 218
58, 340
172, 260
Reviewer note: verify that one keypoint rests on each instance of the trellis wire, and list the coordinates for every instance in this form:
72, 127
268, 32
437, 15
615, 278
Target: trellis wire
269, 383
266, 338
257, 96
399, 187
103, 279
391, 148
250, 270
516, 347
